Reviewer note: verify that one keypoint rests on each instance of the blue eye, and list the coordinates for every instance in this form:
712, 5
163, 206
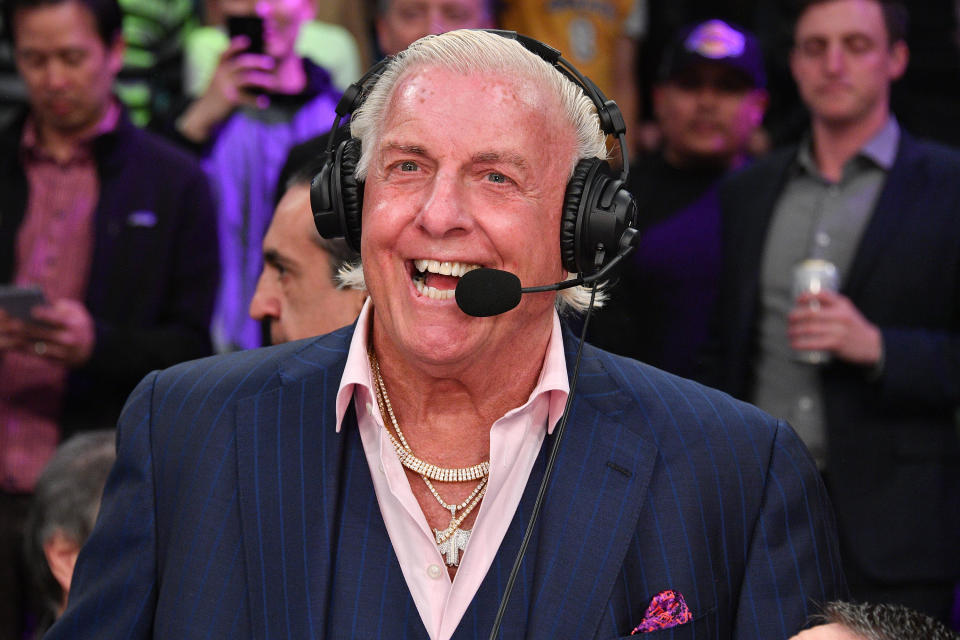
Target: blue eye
499, 178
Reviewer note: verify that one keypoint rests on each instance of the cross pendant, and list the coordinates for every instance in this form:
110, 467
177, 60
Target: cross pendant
452, 546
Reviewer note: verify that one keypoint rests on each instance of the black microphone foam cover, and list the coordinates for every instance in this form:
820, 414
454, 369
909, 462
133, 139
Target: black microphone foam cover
487, 292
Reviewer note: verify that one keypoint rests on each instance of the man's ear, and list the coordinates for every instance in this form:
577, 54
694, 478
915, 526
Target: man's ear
61, 552
899, 59
759, 101
115, 54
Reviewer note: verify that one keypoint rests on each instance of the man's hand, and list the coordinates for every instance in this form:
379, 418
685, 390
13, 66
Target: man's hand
828, 321
235, 82
64, 332
11, 332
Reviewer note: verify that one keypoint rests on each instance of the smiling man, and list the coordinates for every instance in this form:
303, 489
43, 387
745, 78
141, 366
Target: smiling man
376, 482
879, 412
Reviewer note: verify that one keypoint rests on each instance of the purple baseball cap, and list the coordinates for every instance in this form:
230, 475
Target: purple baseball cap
718, 42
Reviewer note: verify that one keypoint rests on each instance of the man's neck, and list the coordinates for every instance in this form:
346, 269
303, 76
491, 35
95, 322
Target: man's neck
834, 143
62, 144
448, 412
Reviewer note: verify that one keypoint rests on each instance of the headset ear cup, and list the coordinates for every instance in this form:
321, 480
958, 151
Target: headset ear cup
351, 191
572, 202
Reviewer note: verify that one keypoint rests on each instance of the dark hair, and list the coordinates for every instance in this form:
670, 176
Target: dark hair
66, 501
337, 249
896, 18
884, 621
107, 14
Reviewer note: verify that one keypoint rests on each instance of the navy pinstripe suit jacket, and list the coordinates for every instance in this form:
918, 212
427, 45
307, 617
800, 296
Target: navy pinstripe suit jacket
236, 511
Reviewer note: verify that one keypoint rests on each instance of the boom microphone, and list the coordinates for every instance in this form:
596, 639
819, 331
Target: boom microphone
489, 292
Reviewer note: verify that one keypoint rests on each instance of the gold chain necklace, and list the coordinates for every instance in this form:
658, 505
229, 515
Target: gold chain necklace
407, 459
452, 540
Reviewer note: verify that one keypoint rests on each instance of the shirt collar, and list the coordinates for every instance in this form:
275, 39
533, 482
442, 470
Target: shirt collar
30, 140
881, 149
553, 378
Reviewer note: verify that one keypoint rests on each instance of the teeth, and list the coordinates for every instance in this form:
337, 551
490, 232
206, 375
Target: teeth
434, 294
456, 269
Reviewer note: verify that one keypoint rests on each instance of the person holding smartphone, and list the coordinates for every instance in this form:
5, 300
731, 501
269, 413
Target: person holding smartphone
263, 98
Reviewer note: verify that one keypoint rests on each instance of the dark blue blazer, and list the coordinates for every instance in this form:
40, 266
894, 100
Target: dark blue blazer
154, 270
893, 444
236, 511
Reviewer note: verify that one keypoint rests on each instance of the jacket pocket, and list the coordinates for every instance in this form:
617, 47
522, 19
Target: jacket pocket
702, 627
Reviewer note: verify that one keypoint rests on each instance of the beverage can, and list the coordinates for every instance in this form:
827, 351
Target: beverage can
813, 276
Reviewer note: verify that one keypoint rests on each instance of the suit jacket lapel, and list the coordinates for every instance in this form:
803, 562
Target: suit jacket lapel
895, 198
289, 472
748, 233
590, 513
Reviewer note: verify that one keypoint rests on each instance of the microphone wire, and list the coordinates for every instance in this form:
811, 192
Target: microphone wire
548, 472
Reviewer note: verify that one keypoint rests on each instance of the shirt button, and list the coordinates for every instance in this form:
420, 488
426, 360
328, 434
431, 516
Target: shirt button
434, 571
823, 239
805, 403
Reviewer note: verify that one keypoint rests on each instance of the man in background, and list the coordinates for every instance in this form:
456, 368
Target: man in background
62, 515
878, 412
113, 225
298, 294
709, 100
398, 23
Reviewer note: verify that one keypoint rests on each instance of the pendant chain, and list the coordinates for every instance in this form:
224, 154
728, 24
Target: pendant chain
453, 539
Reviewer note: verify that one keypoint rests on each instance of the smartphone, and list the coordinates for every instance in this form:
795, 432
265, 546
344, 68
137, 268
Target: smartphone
19, 301
249, 26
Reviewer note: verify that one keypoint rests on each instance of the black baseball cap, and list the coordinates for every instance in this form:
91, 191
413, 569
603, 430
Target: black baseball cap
718, 42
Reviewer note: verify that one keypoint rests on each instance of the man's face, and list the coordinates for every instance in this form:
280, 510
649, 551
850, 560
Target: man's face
281, 21
67, 68
831, 631
707, 113
295, 293
842, 60
469, 170
406, 21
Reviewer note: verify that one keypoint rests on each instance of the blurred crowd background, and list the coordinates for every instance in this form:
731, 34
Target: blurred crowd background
188, 231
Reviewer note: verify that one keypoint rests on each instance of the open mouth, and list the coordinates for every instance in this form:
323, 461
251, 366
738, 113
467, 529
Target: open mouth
437, 280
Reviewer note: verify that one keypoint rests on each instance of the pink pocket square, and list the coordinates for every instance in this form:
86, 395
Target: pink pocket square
667, 609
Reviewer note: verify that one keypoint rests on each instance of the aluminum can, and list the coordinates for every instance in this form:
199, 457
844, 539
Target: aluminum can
813, 276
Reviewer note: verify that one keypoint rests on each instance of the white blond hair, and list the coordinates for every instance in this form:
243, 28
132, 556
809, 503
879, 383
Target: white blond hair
468, 51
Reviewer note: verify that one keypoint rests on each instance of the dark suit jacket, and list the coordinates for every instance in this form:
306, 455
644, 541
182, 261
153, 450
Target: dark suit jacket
155, 264
893, 447
235, 510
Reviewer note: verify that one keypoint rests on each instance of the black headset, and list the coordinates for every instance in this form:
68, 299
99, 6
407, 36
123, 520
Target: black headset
597, 208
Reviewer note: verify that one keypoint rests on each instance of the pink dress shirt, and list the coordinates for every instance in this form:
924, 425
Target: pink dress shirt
515, 441
54, 250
